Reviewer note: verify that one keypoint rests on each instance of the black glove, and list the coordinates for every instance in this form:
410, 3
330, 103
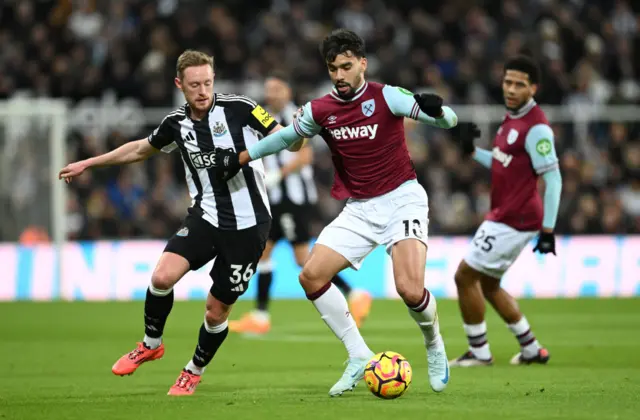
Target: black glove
546, 243
430, 104
464, 134
226, 163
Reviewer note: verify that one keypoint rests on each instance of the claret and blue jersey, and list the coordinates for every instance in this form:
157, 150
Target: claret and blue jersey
365, 134
523, 150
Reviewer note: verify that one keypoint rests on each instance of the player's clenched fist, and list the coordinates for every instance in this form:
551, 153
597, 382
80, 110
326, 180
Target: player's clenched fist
227, 163
465, 134
546, 243
71, 170
430, 104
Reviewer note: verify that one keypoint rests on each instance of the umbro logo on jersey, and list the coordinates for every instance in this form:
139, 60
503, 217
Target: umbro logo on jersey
332, 119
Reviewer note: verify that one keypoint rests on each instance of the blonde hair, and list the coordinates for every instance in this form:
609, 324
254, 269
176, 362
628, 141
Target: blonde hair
192, 58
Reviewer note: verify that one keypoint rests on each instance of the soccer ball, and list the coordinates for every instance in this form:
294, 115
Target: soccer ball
388, 375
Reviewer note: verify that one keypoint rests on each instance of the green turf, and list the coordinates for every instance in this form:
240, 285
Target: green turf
55, 361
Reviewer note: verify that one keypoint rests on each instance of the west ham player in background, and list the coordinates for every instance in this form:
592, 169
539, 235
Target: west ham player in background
523, 150
292, 195
362, 122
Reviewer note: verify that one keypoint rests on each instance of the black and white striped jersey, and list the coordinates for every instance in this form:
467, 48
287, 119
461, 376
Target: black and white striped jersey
297, 188
236, 122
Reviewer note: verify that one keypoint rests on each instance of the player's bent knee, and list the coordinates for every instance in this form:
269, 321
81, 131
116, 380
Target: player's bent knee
214, 318
217, 312
170, 269
410, 291
310, 279
163, 279
489, 287
464, 275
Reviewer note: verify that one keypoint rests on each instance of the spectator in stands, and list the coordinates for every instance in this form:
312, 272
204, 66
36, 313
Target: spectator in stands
590, 54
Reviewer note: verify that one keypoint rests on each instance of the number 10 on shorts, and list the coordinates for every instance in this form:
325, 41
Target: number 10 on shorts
415, 227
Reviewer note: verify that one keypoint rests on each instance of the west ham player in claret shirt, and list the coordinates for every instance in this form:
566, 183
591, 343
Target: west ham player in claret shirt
362, 122
523, 150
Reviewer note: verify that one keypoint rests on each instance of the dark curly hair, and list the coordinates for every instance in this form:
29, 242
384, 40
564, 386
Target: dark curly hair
526, 65
339, 42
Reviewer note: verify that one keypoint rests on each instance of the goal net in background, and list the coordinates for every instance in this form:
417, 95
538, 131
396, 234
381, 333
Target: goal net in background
32, 150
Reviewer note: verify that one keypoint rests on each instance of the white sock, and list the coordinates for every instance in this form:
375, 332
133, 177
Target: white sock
159, 292
477, 337
262, 316
426, 316
528, 343
334, 310
196, 370
152, 343
265, 266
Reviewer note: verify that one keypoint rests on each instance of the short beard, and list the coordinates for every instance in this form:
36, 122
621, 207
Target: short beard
352, 91
518, 108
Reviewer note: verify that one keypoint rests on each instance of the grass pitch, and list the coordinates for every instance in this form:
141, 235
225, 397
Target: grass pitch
55, 361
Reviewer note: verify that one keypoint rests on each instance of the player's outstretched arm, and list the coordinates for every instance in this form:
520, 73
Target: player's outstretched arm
273, 143
131, 152
428, 109
303, 157
303, 127
228, 163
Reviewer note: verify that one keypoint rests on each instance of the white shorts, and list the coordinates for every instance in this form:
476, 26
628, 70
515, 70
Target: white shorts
495, 247
385, 220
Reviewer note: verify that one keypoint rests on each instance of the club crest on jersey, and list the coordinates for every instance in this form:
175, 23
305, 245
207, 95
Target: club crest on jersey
219, 129
512, 136
183, 232
368, 107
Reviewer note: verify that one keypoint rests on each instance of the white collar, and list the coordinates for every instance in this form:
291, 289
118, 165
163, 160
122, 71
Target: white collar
524, 110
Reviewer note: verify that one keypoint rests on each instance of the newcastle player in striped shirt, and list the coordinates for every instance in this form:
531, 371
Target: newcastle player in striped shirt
229, 220
292, 195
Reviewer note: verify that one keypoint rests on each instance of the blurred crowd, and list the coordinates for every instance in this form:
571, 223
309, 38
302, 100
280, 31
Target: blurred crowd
589, 51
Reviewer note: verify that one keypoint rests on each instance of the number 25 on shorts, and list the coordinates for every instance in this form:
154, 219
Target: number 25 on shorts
483, 241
